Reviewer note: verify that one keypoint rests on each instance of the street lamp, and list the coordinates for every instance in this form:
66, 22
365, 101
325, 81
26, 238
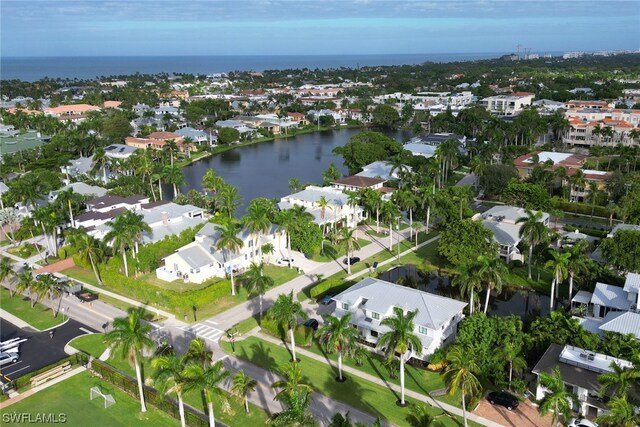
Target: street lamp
232, 339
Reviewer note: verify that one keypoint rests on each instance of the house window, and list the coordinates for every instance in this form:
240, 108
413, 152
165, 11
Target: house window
374, 334
423, 330
345, 306
375, 315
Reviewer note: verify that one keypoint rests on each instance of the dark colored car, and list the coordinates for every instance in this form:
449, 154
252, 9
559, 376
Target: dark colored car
86, 296
352, 261
507, 400
312, 323
326, 300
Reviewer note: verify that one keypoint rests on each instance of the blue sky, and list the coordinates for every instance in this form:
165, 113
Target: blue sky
285, 27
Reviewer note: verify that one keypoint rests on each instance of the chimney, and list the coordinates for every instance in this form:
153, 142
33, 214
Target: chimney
165, 218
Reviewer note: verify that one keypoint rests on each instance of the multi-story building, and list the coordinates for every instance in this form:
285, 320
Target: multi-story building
508, 105
609, 127
371, 300
337, 210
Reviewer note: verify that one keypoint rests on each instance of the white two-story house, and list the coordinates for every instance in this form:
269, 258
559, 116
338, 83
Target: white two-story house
338, 208
200, 261
372, 300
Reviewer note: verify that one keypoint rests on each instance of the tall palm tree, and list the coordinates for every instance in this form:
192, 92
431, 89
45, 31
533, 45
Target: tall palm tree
121, 235
513, 355
25, 281
389, 213
469, 279
173, 175
257, 283
229, 243
6, 270
533, 231
400, 339
89, 248
621, 381
557, 399
170, 375
577, 263
292, 382
323, 204
374, 200
338, 335
100, 162
199, 353
257, 222
285, 312
461, 375
286, 220
296, 395
352, 200
427, 199
208, 380
228, 200
622, 413
559, 263
131, 335
406, 200
419, 416
39, 289
212, 182
52, 290
171, 148
243, 384
349, 241
491, 270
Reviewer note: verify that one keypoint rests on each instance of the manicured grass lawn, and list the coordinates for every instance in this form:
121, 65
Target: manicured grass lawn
147, 314
361, 394
92, 344
40, 317
25, 250
332, 252
71, 397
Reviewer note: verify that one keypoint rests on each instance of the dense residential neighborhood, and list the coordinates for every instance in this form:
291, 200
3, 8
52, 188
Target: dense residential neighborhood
470, 248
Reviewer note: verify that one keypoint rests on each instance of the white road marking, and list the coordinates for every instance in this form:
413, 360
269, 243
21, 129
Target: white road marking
17, 370
85, 330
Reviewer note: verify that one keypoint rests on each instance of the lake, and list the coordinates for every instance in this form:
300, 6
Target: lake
264, 169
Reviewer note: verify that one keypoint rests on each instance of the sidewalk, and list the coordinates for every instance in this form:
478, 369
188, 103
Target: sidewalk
409, 393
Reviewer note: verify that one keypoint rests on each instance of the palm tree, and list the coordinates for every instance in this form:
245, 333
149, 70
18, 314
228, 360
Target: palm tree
373, 199
512, 354
419, 416
100, 162
491, 270
557, 399
208, 380
25, 281
212, 182
349, 242
533, 231
286, 220
122, 235
131, 335
285, 312
243, 384
199, 353
323, 204
228, 200
621, 414
89, 248
296, 395
6, 270
257, 221
338, 335
468, 278
560, 266
352, 200
400, 339
292, 384
257, 283
39, 289
577, 263
229, 243
389, 213
173, 175
406, 199
171, 148
170, 373
621, 381
427, 199
50, 288
461, 375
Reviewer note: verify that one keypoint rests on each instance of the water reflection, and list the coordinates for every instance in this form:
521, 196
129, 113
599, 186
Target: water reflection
512, 301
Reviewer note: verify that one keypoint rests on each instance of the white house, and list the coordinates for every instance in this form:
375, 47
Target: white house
579, 369
508, 105
79, 188
380, 169
501, 220
338, 208
372, 300
200, 261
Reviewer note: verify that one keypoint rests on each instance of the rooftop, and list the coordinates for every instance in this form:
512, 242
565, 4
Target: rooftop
610, 296
359, 181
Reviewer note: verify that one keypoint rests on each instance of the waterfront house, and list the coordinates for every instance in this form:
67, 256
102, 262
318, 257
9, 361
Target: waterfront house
157, 141
372, 300
198, 136
525, 163
338, 208
199, 261
380, 169
579, 369
79, 188
502, 221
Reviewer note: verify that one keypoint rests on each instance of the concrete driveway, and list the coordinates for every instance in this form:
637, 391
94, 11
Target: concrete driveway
526, 415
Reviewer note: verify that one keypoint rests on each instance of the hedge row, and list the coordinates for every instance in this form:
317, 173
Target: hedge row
302, 334
330, 284
580, 208
164, 298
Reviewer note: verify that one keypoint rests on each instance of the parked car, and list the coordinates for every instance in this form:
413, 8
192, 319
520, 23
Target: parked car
327, 299
312, 323
285, 261
581, 422
352, 261
6, 358
86, 296
505, 399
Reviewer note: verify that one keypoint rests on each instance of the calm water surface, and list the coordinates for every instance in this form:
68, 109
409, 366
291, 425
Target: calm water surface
264, 169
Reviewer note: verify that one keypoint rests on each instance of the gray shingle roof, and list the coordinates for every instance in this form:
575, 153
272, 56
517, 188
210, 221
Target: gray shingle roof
382, 296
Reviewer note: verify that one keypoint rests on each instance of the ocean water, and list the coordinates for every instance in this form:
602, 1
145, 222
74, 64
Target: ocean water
35, 68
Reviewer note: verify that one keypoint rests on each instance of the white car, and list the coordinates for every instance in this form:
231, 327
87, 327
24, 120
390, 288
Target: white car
6, 358
581, 422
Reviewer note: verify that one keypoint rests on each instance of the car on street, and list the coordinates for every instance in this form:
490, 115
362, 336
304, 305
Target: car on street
6, 358
285, 261
327, 299
581, 422
312, 323
86, 296
505, 399
351, 260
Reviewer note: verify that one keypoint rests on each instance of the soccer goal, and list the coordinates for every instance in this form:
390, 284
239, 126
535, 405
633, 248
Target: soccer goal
96, 392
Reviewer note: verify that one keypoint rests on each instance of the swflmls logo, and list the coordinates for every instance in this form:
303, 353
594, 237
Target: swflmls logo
37, 418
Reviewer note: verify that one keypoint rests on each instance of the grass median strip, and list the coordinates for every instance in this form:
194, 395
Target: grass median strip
356, 392
39, 316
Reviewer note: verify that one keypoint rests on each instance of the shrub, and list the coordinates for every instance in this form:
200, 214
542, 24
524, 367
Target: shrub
331, 284
580, 208
302, 334
517, 263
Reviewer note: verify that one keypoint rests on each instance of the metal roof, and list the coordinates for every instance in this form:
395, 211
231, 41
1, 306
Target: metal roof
610, 296
632, 284
622, 323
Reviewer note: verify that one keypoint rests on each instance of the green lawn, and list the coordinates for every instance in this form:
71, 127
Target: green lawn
332, 252
40, 317
25, 250
361, 394
92, 344
71, 397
